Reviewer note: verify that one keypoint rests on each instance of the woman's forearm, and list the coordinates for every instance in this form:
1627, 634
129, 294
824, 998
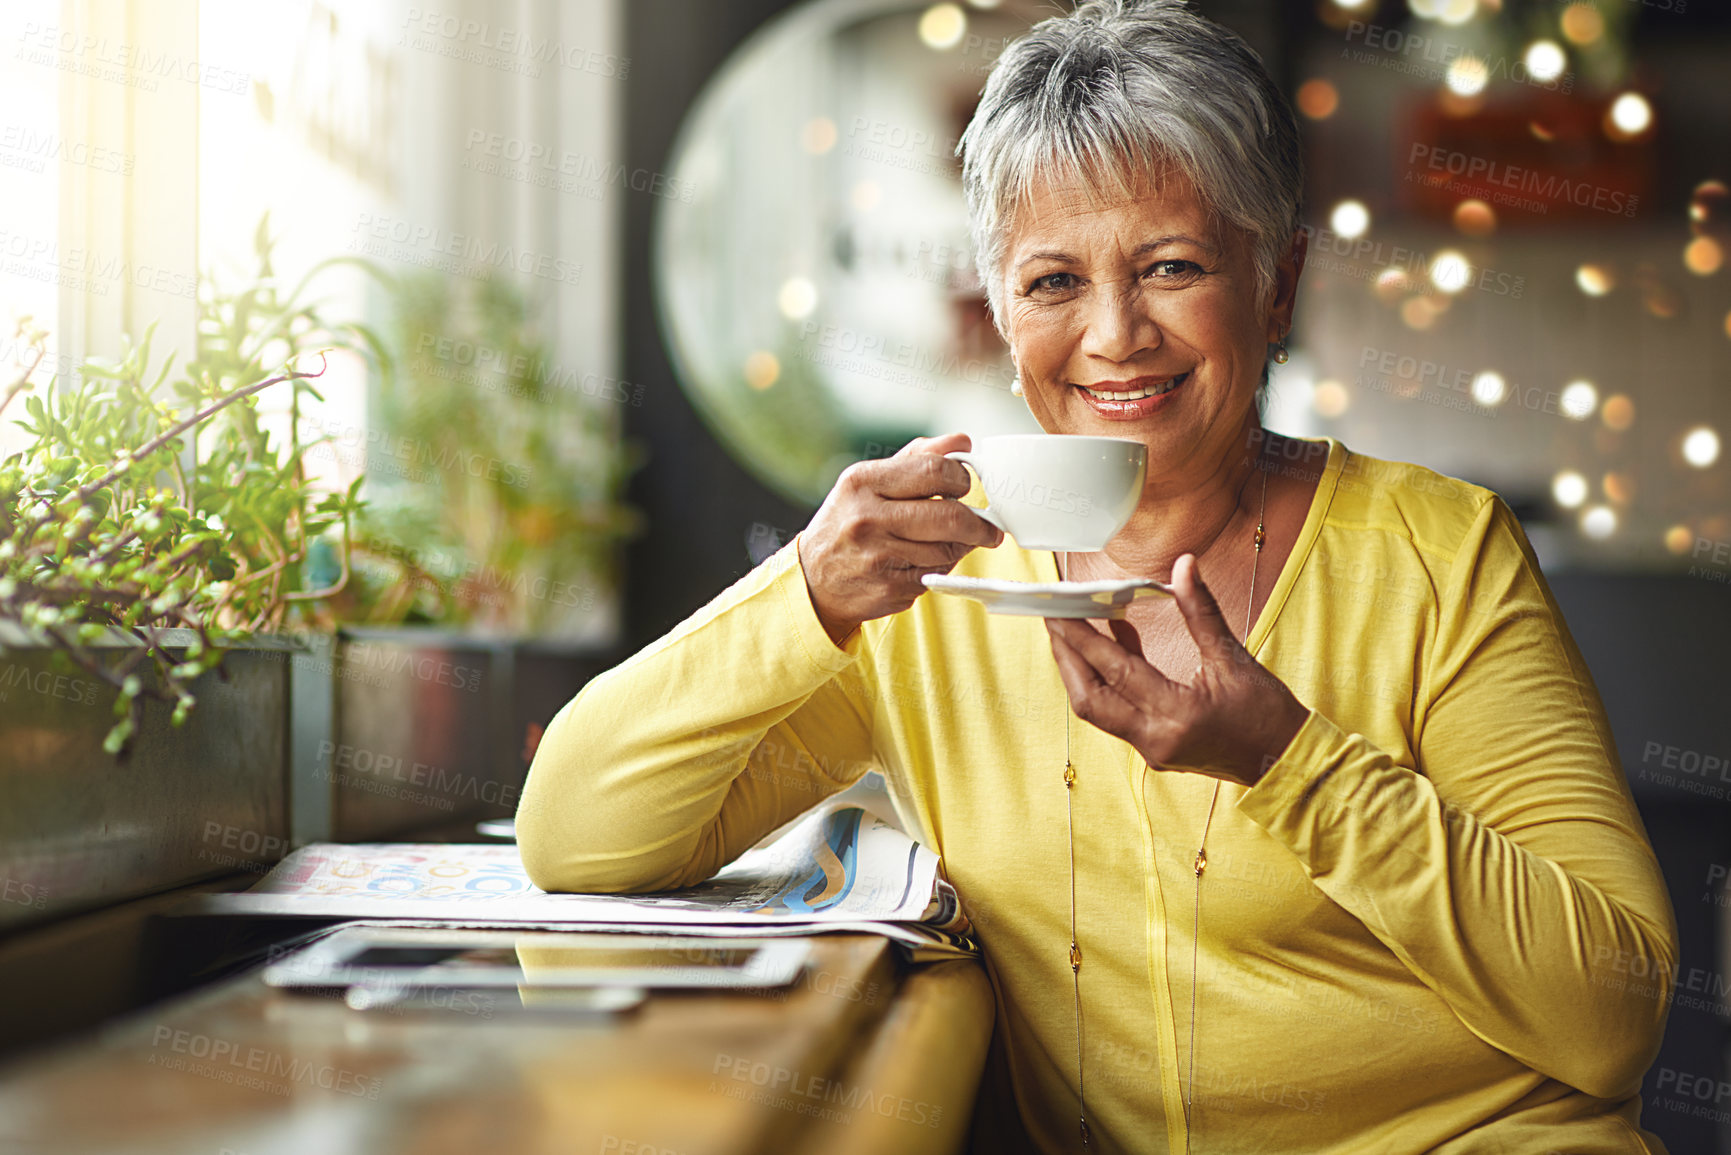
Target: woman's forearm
1517, 941
666, 768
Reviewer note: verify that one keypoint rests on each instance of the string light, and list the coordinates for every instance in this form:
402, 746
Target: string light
1317, 98
1630, 116
1467, 76
1599, 522
1489, 388
1450, 272
1545, 60
1701, 446
1579, 399
1349, 219
942, 26
797, 299
1330, 398
762, 369
1595, 280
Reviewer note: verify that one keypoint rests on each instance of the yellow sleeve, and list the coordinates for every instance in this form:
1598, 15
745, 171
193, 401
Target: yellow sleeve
1509, 869
669, 766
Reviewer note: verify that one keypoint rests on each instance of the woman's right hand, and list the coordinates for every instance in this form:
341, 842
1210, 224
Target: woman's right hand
879, 531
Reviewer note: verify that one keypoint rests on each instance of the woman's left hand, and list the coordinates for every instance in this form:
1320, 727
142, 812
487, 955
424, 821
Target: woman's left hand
1232, 721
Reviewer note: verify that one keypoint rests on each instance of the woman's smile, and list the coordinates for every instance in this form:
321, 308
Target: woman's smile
1135, 399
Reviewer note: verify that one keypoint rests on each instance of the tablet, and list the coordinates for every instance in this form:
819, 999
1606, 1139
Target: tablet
417, 958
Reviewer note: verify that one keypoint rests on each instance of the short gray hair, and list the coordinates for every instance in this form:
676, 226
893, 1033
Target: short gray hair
1120, 88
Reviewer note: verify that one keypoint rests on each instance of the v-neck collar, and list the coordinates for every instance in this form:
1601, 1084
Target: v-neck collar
1307, 534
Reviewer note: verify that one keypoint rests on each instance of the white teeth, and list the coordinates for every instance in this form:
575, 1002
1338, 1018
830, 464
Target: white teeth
1138, 394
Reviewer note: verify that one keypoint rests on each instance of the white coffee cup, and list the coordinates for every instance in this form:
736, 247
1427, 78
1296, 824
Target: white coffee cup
1058, 491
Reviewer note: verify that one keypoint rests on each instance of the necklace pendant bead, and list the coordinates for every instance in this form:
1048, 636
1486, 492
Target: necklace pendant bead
1075, 957
1201, 862
1084, 1132
1069, 775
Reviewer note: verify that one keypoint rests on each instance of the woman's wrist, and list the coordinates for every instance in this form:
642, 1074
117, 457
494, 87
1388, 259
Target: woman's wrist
1280, 736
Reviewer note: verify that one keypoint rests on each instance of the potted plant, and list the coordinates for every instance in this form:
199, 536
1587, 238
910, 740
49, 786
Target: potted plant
155, 527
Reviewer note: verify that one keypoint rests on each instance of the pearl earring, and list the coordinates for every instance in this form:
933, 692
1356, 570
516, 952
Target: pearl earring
1280, 354
1016, 385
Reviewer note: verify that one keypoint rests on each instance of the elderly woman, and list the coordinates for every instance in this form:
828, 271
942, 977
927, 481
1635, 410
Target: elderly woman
1338, 856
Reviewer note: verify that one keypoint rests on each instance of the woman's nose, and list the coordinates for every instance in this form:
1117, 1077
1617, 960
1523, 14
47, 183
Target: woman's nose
1119, 322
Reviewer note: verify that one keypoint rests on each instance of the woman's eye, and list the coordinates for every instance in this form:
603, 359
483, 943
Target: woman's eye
1054, 283
1173, 270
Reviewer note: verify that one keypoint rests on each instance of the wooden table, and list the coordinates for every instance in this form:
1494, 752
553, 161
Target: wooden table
865, 1055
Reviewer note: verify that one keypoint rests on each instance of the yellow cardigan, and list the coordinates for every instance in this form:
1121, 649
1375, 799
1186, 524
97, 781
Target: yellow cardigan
1416, 930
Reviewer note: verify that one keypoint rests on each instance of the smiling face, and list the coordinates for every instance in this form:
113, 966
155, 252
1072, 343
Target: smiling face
1140, 318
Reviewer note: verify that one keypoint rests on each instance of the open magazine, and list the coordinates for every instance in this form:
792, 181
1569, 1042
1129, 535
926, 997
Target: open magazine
841, 867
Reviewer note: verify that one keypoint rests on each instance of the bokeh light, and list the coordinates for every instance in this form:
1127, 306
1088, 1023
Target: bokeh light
1710, 211
1330, 399
942, 26
1457, 12
1579, 399
1679, 539
1349, 219
818, 135
1581, 23
1630, 116
1419, 313
1489, 388
1595, 280
1392, 284
1475, 218
797, 298
1703, 256
1569, 488
1317, 98
1545, 60
762, 369
1599, 522
1467, 75
1701, 446
866, 195
1450, 272
1618, 412
1619, 487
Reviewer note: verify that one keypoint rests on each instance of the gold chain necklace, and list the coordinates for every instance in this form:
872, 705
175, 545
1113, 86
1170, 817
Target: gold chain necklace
1199, 865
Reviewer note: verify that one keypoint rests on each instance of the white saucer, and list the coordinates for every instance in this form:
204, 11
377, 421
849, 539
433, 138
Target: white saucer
1103, 599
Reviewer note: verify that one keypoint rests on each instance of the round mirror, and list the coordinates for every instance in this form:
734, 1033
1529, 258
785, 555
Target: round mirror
813, 268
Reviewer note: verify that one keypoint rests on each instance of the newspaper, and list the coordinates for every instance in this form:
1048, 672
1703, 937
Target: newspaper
841, 867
